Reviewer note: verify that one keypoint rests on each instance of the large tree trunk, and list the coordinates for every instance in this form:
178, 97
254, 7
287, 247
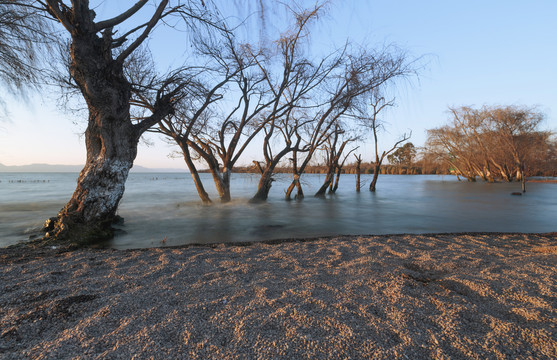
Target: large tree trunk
226, 174
111, 137
111, 141
111, 150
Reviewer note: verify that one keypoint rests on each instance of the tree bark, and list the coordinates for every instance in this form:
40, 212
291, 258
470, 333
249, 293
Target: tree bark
299, 190
376, 170
323, 189
264, 186
222, 183
358, 172
88, 215
194, 173
337, 180
111, 141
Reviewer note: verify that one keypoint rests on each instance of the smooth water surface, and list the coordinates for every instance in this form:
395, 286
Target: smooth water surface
166, 206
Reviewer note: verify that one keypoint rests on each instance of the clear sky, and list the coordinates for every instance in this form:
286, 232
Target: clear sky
497, 52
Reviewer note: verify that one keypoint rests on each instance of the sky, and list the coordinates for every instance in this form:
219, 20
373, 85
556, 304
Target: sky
497, 52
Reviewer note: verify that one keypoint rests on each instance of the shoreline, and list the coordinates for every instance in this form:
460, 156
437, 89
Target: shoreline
465, 295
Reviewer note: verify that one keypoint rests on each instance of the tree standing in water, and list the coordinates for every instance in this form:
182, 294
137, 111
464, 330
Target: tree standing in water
358, 171
491, 142
99, 53
378, 104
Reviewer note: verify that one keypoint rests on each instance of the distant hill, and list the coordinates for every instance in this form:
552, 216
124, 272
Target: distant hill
70, 168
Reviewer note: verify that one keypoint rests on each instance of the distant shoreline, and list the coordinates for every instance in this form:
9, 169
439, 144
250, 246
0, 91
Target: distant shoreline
348, 169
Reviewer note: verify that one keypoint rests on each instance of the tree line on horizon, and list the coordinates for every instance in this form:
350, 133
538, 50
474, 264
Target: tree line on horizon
302, 108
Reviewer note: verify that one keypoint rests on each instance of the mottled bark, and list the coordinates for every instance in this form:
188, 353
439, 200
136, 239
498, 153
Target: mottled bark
111, 137
111, 141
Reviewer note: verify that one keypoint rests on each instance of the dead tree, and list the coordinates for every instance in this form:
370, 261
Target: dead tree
299, 81
99, 56
212, 129
371, 120
362, 74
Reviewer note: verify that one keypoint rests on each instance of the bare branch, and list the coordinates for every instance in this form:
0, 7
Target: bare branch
135, 44
101, 25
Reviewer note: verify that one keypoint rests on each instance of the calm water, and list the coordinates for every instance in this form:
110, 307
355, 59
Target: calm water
158, 206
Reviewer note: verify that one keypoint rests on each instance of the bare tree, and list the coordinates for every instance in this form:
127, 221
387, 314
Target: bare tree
377, 105
223, 136
334, 149
362, 74
99, 51
199, 129
295, 91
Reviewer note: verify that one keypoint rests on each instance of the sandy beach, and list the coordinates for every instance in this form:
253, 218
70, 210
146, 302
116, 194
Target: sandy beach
444, 296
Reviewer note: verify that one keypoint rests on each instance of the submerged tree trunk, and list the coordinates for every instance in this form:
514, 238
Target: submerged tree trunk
323, 189
225, 191
358, 172
522, 177
376, 170
266, 180
111, 141
334, 187
111, 150
194, 174
222, 182
295, 184
111, 138
264, 186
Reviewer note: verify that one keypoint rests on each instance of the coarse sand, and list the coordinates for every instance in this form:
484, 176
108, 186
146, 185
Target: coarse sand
443, 296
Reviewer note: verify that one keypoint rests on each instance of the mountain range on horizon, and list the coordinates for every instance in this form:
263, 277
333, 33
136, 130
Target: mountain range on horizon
73, 168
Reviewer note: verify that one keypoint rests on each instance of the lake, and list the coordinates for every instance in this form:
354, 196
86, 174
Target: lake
165, 206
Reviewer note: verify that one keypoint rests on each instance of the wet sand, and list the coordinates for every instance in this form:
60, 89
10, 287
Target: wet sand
441, 296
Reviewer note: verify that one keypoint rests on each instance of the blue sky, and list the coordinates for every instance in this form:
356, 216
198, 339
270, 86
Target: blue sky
476, 53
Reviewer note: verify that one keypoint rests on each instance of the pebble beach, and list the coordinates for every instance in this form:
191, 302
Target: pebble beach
440, 296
